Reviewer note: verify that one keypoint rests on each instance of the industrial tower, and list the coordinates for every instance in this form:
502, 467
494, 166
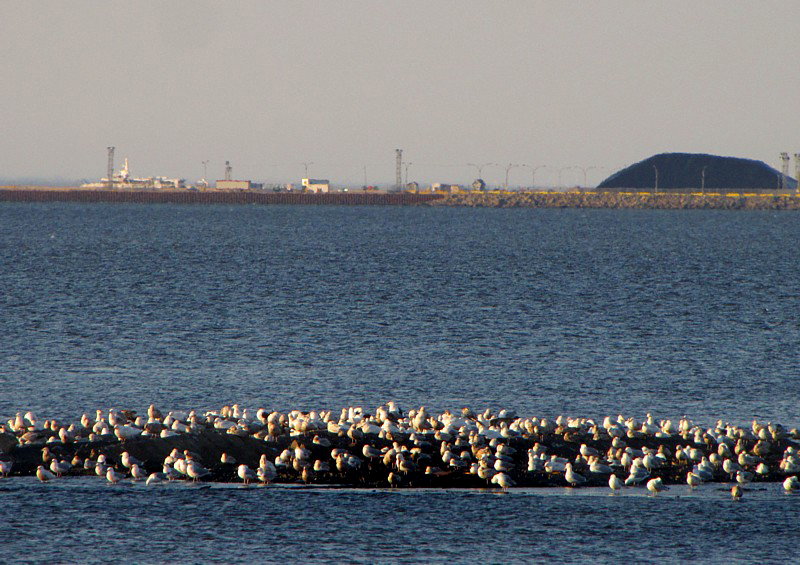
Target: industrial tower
398, 185
784, 169
110, 176
228, 170
797, 170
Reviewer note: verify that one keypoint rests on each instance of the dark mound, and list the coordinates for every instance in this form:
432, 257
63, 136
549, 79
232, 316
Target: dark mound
685, 170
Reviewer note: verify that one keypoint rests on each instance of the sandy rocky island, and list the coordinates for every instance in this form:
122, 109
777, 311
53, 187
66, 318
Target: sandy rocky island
391, 448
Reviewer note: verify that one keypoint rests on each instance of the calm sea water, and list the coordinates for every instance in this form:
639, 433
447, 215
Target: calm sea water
548, 312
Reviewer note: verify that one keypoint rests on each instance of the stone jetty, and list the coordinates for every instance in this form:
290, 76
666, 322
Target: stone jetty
613, 199
668, 200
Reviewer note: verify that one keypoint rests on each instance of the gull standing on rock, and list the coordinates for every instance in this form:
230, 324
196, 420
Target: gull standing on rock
655, 485
43, 474
156, 478
573, 478
60, 467
246, 473
502, 480
113, 477
693, 480
129, 460
196, 471
137, 472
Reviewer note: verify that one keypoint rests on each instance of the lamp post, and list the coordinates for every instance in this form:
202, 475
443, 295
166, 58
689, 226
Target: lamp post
590, 168
656, 170
306, 166
205, 170
606, 171
703, 180
407, 165
533, 173
479, 168
584, 170
508, 168
562, 169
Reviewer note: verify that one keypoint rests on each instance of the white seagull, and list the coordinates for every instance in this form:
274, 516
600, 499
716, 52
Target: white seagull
615, 482
113, 477
246, 473
573, 478
655, 485
43, 474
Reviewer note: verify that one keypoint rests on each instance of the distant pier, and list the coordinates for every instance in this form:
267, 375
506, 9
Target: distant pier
214, 197
664, 200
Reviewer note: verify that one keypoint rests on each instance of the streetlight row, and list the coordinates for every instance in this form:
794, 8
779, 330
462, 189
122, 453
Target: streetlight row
584, 170
479, 169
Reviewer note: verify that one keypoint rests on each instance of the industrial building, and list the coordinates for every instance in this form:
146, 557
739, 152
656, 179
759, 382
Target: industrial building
316, 185
232, 184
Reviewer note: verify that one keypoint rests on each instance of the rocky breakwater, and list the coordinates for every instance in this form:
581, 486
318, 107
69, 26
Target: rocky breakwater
391, 448
639, 200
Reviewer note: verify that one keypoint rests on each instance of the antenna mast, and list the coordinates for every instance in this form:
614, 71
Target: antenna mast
110, 177
399, 179
797, 170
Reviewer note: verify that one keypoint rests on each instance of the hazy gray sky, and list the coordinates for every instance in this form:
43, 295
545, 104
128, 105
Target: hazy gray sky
269, 85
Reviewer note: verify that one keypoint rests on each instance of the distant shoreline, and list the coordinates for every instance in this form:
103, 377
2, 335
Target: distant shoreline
575, 199
629, 200
67, 194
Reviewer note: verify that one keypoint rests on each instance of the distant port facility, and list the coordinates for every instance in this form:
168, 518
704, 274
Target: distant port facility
667, 180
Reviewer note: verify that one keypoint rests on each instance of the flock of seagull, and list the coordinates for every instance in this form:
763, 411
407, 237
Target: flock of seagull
402, 448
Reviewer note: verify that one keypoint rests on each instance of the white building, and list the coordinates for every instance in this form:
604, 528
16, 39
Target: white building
233, 185
316, 185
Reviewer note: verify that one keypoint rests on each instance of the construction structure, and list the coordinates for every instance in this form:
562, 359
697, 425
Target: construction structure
229, 183
122, 180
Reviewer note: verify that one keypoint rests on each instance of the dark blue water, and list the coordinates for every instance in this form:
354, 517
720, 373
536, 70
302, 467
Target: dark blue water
549, 312
544, 311
84, 520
